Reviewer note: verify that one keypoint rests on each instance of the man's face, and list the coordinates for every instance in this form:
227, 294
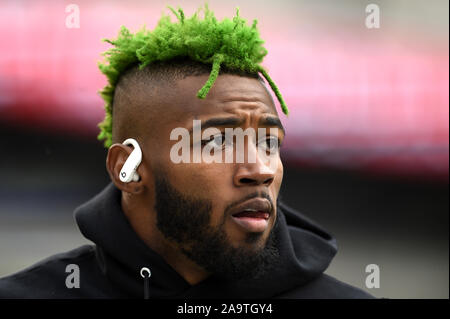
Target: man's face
218, 213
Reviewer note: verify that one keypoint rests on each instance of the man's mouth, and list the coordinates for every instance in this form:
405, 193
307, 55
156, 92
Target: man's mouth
253, 215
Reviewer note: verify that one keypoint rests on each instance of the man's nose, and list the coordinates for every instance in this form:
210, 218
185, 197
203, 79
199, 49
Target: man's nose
254, 174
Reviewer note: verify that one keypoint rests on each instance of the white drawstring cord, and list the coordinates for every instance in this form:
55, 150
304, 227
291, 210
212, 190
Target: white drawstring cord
146, 274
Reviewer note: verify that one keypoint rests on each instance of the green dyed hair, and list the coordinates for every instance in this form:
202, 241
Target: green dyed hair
230, 42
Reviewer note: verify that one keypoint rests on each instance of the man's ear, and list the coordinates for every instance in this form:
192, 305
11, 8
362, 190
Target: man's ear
117, 156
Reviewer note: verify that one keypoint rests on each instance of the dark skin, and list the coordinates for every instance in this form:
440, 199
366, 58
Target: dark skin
222, 183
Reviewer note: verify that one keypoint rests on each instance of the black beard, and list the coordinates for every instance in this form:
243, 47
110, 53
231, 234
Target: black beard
186, 221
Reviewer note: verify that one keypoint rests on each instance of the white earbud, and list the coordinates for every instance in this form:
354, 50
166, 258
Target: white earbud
128, 172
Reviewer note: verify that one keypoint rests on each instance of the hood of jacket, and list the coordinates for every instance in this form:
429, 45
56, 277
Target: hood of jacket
305, 250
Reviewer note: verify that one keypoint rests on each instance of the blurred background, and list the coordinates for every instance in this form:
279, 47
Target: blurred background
367, 147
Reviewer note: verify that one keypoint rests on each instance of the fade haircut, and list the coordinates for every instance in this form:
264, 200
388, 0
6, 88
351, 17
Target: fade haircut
195, 47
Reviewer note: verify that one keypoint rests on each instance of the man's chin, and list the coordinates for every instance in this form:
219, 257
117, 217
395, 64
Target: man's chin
251, 242
250, 258
256, 240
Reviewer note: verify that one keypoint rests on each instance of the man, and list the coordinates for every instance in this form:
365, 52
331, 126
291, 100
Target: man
189, 229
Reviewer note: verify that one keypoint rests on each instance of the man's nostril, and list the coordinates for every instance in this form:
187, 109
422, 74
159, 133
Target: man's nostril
247, 180
253, 181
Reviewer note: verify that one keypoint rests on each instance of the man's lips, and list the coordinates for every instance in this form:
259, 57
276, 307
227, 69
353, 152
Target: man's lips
252, 215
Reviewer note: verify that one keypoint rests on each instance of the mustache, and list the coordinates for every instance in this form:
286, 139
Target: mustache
248, 197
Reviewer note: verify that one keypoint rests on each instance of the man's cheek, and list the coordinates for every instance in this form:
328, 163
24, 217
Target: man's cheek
278, 178
182, 175
194, 180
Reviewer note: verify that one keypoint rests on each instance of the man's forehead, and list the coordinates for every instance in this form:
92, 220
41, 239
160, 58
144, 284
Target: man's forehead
176, 104
229, 94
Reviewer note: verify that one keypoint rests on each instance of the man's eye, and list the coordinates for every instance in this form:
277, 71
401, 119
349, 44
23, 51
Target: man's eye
270, 143
216, 141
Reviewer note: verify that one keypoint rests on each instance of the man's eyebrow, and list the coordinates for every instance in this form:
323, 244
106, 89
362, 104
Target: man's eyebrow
235, 121
272, 121
220, 121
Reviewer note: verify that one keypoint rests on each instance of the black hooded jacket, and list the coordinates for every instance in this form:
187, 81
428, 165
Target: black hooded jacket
112, 267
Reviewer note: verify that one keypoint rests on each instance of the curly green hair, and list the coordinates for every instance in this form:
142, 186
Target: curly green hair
230, 42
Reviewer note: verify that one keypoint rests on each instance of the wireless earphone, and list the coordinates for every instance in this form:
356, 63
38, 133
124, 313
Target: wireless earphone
128, 172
